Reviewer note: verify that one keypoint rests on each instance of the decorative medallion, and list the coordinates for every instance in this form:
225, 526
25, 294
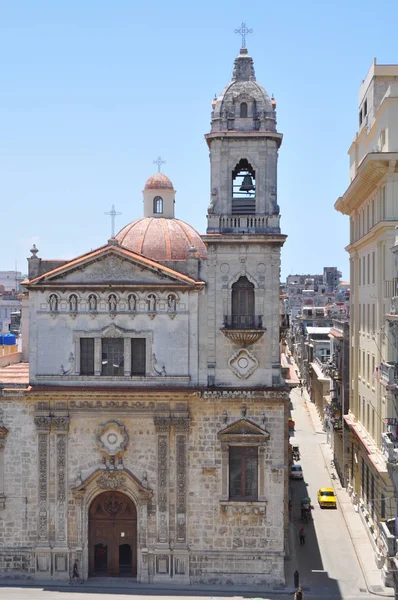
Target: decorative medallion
112, 438
243, 363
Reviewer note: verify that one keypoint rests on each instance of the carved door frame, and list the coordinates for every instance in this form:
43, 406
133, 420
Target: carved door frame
121, 481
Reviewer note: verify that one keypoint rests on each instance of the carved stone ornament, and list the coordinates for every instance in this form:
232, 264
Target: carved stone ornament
112, 438
243, 363
43, 424
112, 331
60, 423
112, 481
3, 436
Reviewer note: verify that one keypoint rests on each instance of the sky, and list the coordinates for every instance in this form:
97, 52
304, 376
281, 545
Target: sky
92, 92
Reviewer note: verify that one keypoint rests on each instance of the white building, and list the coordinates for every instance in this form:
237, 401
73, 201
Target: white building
371, 202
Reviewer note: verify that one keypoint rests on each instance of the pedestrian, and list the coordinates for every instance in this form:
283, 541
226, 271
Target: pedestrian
296, 577
299, 594
290, 509
302, 536
75, 573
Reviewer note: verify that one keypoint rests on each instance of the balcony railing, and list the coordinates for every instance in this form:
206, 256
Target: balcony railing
243, 322
391, 288
388, 536
243, 223
243, 329
389, 374
389, 447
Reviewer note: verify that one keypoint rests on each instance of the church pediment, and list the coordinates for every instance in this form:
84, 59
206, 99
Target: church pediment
103, 480
241, 430
113, 265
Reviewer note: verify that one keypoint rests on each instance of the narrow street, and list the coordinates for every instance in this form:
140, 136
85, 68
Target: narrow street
328, 561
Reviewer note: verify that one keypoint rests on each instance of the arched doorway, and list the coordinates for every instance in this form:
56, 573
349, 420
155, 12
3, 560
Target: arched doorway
112, 535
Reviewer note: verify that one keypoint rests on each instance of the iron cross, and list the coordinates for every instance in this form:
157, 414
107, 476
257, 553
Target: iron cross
159, 162
243, 31
112, 215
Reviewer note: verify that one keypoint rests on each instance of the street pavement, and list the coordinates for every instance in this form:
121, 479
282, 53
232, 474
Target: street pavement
336, 562
338, 558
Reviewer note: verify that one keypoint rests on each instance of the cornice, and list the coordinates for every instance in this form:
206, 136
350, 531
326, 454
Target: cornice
370, 172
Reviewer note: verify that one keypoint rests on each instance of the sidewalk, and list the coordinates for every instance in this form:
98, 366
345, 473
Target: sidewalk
358, 534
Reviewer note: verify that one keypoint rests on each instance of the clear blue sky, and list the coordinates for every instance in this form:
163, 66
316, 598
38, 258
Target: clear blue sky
92, 92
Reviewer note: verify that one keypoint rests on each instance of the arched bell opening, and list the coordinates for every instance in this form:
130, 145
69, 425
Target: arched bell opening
243, 188
112, 535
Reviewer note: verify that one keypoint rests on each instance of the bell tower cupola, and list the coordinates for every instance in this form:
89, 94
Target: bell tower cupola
243, 144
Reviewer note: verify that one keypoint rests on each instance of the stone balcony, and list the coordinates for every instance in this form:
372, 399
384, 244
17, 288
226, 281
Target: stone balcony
389, 447
243, 329
243, 224
389, 375
387, 535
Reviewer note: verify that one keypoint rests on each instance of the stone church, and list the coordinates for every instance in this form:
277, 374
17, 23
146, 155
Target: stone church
152, 439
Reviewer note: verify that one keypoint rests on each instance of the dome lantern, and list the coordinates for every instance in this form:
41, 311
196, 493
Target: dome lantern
159, 196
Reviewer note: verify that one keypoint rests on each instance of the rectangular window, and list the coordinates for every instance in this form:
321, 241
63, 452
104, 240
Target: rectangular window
384, 262
359, 362
359, 407
367, 218
138, 356
368, 326
383, 202
363, 365
368, 269
383, 507
243, 466
86, 356
373, 426
373, 318
372, 494
113, 357
360, 315
373, 267
363, 478
373, 369
373, 211
363, 270
365, 108
364, 317
359, 272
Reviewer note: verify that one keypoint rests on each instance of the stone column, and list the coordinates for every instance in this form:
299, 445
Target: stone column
43, 552
3, 437
180, 552
60, 549
143, 542
224, 472
162, 551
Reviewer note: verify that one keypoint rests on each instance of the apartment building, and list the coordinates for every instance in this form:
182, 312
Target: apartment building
371, 202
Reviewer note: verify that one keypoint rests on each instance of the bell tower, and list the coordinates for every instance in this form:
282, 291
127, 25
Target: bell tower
243, 144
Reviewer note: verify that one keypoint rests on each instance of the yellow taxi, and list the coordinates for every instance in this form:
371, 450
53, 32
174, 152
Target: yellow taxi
327, 498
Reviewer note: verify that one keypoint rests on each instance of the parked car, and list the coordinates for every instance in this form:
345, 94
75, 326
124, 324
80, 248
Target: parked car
296, 472
327, 498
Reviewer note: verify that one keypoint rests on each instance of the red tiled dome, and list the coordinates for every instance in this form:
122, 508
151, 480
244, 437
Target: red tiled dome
162, 239
159, 181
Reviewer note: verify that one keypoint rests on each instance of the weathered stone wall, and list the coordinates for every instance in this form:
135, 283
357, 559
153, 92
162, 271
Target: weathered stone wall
217, 540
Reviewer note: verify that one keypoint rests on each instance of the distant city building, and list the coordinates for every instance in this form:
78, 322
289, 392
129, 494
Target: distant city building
10, 281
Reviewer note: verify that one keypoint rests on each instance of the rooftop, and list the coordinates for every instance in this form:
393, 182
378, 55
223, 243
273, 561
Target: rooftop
14, 376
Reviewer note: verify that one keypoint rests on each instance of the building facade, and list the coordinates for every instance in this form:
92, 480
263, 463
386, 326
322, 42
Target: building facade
154, 429
371, 202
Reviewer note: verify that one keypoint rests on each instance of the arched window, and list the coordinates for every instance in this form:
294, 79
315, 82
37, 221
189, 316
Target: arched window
243, 188
243, 304
158, 205
243, 110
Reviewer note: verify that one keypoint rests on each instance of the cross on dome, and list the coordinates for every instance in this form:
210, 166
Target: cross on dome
243, 31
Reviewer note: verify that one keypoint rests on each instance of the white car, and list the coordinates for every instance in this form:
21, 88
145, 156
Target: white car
296, 472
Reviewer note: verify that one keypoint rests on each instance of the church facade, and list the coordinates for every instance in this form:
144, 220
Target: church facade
152, 439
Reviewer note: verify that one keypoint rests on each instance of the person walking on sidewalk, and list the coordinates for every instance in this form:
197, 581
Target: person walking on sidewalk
302, 536
75, 573
299, 594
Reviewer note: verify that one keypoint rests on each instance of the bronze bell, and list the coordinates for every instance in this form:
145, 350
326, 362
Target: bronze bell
247, 184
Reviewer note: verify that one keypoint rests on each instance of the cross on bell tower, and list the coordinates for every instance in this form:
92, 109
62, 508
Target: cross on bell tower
243, 31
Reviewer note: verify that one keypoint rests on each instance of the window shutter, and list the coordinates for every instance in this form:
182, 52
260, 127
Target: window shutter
138, 356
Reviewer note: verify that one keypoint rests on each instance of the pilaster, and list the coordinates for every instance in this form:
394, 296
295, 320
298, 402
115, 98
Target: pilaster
42, 551
180, 551
3, 437
60, 548
163, 565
